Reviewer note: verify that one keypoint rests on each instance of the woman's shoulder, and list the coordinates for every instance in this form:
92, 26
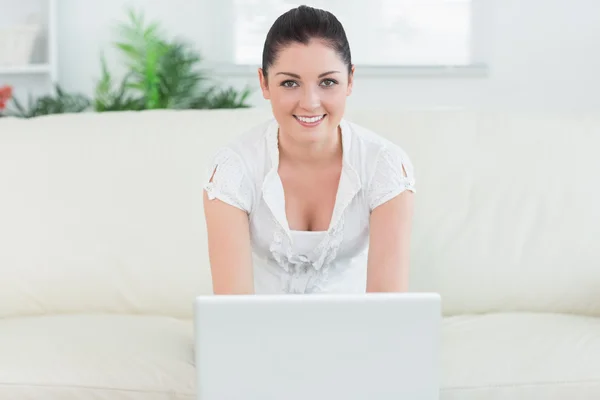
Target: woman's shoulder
386, 168
232, 169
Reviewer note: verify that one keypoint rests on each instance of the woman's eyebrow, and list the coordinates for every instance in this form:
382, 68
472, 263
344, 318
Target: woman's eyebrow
328, 72
298, 76
290, 74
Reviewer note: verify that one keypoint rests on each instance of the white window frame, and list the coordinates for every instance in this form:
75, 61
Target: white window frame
481, 20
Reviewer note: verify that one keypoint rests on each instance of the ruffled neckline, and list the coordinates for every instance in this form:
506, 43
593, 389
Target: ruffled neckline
282, 246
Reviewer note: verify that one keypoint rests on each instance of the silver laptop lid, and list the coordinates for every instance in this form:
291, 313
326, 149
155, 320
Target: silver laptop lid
318, 347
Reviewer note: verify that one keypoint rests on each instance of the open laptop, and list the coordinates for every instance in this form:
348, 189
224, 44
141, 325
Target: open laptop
318, 347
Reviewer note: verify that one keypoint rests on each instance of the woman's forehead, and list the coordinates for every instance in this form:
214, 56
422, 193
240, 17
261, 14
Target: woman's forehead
312, 58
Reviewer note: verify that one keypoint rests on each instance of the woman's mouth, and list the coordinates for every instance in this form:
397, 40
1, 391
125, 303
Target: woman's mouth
310, 121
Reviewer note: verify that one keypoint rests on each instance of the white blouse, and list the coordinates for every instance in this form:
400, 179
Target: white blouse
286, 261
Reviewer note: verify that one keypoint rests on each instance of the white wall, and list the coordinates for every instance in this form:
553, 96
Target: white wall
542, 54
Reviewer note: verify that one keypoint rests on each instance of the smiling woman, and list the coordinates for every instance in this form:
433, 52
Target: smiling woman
309, 202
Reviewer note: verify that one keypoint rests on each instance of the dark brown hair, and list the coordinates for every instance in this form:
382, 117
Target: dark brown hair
301, 25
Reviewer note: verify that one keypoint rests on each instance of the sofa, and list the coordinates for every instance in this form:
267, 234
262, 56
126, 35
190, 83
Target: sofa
103, 248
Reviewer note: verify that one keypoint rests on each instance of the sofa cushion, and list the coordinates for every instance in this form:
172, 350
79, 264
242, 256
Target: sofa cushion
521, 356
495, 356
96, 356
107, 208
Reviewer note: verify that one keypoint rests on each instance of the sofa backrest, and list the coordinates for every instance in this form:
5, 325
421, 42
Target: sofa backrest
103, 212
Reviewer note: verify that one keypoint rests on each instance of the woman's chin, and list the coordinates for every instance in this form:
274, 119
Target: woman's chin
303, 135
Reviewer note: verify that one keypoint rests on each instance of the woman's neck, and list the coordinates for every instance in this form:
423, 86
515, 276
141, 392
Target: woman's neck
311, 154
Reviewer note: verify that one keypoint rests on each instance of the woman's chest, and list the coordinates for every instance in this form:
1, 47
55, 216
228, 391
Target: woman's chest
343, 236
310, 198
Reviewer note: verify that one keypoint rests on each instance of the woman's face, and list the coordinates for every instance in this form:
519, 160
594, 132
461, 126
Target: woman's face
307, 86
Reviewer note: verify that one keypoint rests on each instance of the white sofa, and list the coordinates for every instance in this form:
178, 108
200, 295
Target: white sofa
103, 249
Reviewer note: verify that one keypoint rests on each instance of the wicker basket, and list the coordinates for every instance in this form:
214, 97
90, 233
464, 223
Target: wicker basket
16, 44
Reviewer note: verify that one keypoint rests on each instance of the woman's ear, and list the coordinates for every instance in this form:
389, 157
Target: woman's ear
264, 84
350, 82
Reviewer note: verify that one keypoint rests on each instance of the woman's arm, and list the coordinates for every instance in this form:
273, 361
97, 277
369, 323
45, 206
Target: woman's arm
389, 244
229, 248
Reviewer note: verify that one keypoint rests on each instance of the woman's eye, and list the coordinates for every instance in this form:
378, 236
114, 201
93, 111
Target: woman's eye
289, 84
328, 82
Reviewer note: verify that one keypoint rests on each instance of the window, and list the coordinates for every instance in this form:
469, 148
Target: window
381, 32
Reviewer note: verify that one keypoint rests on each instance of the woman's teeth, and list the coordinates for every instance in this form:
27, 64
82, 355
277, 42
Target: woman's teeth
310, 120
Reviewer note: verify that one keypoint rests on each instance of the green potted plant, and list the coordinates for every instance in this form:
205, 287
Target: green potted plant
60, 102
162, 73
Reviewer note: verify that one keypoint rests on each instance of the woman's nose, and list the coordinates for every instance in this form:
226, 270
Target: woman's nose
310, 99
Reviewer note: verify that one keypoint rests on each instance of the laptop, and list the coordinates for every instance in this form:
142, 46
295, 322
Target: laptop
382, 346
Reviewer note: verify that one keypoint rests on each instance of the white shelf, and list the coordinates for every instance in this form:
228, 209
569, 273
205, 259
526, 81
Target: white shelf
26, 69
44, 62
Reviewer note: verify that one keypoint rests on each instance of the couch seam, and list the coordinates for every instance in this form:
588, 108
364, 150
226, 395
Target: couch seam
66, 386
521, 385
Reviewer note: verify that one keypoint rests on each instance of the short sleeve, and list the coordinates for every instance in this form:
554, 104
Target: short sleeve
393, 174
228, 181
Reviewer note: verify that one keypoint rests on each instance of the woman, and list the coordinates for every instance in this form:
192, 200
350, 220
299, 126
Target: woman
308, 202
